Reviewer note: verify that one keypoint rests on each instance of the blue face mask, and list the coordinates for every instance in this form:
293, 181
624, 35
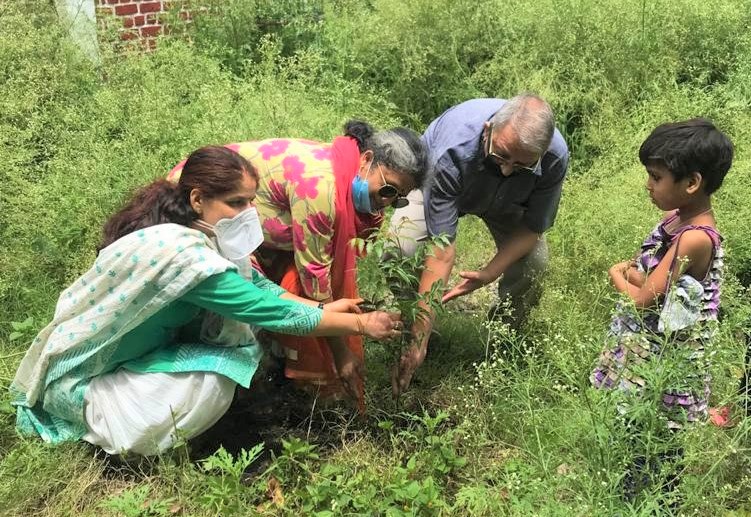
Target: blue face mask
361, 194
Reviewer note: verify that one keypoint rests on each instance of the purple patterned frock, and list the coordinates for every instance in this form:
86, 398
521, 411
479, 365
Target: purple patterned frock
675, 332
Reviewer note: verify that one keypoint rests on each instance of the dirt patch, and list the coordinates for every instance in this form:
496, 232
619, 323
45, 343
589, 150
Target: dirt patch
272, 410
257, 415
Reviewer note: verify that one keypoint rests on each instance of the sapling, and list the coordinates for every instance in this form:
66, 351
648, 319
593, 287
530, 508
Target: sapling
396, 283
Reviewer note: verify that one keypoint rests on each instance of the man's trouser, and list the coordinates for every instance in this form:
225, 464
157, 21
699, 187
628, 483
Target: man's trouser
520, 283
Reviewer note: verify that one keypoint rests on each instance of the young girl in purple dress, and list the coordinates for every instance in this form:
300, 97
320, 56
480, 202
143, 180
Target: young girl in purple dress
673, 282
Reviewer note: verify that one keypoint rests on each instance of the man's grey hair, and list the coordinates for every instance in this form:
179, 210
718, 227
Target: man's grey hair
401, 150
531, 118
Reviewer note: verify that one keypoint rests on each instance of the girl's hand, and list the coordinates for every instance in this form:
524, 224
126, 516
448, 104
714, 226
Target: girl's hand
382, 325
620, 268
634, 276
344, 305
629, 271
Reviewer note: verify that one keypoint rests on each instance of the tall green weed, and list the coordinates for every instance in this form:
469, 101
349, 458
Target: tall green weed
76, 139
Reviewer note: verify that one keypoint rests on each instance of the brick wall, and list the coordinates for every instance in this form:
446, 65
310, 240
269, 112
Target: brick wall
141, 19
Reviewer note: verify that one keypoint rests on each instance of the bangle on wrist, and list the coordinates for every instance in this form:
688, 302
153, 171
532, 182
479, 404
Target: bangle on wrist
360, 325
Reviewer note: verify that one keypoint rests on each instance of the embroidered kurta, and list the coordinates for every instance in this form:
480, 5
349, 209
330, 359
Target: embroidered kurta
127, 311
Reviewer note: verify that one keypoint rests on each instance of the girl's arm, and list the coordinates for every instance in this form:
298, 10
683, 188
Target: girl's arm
629, 270
230, 295
694, 258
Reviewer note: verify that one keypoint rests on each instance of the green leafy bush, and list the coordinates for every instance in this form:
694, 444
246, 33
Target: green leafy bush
518, 433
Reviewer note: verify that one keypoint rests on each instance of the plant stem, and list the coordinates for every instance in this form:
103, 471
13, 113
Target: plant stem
14, 354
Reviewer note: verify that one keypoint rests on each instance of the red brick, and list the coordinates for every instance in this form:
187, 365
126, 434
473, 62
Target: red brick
123, 10
139, 20
151, 31
128, 35
111, 2
150, 7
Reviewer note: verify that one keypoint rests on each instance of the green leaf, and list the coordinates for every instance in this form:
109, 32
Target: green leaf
7, 408
23, 325
412, 489
386, 425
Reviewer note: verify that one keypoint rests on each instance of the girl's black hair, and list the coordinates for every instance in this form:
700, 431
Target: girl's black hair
689, 146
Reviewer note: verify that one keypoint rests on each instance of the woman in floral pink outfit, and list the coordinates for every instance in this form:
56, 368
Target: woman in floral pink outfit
313, 198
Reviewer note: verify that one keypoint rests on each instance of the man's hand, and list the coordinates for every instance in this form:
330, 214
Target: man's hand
401, 374
437, 268
472, 280
344, 305
521, 242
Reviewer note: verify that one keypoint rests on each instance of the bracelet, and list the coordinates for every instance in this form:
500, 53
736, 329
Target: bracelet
360, 325
320, 305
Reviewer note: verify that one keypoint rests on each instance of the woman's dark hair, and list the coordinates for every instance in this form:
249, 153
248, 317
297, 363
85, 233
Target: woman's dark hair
400, 149
690, 146
214, 170
361, 131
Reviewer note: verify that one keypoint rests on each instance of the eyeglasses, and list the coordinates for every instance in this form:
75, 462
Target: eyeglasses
502, 160
389, 191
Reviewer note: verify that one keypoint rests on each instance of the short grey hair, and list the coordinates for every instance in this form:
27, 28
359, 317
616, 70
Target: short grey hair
401, 150
531, 117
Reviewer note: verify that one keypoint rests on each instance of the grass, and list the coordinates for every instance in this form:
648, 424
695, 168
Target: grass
495, 423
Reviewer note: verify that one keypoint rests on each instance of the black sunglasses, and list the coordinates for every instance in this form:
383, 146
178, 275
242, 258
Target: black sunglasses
390, 191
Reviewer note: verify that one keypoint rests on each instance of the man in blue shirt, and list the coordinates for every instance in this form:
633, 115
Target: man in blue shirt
503, 161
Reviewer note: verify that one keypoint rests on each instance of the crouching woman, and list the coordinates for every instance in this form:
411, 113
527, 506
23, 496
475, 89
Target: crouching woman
127, 363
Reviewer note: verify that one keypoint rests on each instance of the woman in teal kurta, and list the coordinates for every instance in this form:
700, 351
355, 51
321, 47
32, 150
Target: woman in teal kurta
121, 365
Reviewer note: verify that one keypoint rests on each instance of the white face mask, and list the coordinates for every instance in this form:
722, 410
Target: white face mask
237, 237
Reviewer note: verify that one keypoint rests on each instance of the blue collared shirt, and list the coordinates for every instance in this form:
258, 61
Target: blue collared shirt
461, 183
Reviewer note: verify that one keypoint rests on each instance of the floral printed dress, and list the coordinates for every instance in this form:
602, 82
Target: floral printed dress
676, 332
